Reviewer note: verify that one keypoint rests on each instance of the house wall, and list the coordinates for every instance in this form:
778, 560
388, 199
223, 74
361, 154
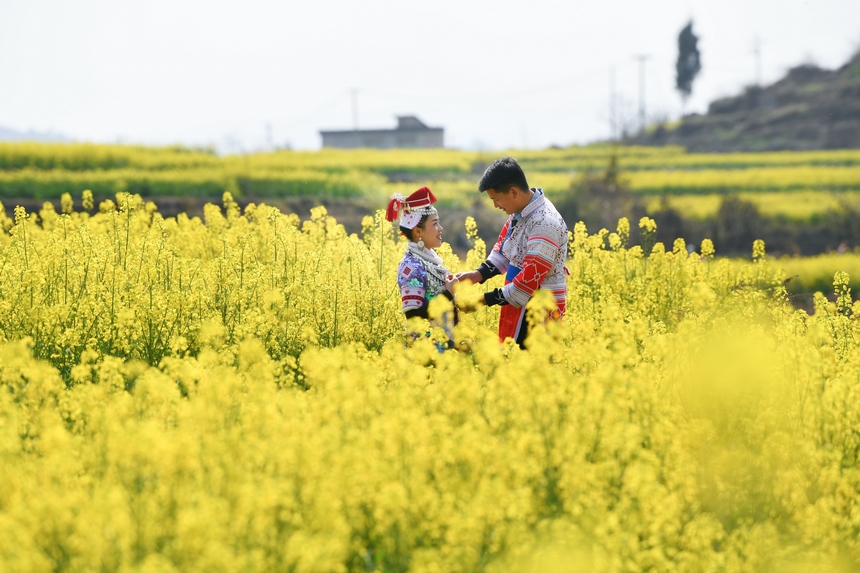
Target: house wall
385, 139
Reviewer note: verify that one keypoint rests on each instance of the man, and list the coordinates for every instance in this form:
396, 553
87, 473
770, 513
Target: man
530, 252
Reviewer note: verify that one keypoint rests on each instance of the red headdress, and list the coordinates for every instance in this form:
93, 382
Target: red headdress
414, 207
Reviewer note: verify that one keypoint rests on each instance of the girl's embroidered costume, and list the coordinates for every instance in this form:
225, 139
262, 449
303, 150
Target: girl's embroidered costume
421, 274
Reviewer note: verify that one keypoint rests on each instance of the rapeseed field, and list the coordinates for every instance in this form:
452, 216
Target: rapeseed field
234, 393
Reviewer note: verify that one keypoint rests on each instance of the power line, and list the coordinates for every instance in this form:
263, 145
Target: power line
566, 85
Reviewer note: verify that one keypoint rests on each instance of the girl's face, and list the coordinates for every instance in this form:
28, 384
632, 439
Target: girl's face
431, 233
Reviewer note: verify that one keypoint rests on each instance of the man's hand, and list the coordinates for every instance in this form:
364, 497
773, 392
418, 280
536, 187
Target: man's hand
473, 277
469, 303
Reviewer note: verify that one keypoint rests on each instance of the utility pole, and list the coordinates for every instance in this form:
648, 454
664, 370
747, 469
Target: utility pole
270, 146
757, 53
355, 137
355, 109
613, 120
642, 59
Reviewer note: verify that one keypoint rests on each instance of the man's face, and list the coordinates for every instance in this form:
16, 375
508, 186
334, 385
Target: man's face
507, 202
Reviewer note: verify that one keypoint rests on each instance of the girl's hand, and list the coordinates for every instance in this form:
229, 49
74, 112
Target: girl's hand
473, 277
450, 281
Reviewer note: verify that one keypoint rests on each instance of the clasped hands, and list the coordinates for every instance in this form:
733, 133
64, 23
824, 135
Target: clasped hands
464, 303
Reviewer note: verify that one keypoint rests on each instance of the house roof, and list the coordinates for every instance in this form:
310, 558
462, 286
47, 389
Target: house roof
404, 123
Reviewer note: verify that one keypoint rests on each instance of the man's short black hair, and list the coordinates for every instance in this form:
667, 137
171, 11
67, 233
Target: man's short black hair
503, 174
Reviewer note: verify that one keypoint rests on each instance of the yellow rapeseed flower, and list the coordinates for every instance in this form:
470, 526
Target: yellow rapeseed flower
647, 224
87, 200
758, 251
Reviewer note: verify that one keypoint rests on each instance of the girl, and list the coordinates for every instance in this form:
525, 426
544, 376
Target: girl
421, 275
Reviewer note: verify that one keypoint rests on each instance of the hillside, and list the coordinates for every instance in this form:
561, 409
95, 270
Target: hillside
810, 108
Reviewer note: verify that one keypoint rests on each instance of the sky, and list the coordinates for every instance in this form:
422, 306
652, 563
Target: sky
251, 75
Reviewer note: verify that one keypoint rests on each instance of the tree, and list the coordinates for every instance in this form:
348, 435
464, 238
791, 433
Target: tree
689, 62
598, 198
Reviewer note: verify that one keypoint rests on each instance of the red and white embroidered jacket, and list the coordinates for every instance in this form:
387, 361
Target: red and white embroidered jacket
536, 244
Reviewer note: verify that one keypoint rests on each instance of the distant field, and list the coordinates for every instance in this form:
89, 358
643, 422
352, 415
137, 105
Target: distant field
791, 186
793, 206
815, 274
